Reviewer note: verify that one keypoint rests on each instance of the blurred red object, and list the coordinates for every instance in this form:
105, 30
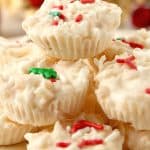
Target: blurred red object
36, 3
141, 17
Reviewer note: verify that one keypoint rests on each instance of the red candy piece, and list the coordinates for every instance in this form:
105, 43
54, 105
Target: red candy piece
85, 143
133, 44
147, 91
128, 61
62, 144
131, 58
79, 18
141, 17
87, 1
53, 80
60, 7
36, 3
83, 124
62, 17
55, 23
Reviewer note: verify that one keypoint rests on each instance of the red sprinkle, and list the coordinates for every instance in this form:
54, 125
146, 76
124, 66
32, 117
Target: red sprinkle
63, 17
90, 142
131, 58
147, 91
53, 80
62, 144
60, 7
79, 18
83, 124
87, 1
55, 23
127, 61
133, 44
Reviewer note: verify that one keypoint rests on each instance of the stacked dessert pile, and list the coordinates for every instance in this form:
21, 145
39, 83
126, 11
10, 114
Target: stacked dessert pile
80, 85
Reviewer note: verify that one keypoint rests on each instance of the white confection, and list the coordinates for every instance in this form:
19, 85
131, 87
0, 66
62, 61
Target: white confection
142, 37
34, 93
102, 18
81, 31
11, 132
11, 50
46, 140
122, 90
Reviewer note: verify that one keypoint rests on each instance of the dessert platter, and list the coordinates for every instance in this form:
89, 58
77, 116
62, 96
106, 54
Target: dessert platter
74, 84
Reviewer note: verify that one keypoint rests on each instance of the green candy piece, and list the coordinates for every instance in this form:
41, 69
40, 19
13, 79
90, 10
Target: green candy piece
119, 38
47, 73
54, 13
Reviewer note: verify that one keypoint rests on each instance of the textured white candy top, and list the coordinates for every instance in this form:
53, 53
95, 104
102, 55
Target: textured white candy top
11, 51
127, 85
46, 140
96, 16
21, 66
142, 37
38, 92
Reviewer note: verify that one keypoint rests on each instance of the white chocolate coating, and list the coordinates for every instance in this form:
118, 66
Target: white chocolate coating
35, 94
122, 90
45, 140
102, 18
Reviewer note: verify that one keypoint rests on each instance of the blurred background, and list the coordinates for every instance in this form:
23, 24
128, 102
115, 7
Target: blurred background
136, 14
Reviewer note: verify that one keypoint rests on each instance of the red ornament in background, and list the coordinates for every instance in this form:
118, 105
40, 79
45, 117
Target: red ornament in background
36, 3
141, 17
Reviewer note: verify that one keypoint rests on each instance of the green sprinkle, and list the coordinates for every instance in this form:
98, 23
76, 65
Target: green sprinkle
47, 73
55, 13
119, 38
